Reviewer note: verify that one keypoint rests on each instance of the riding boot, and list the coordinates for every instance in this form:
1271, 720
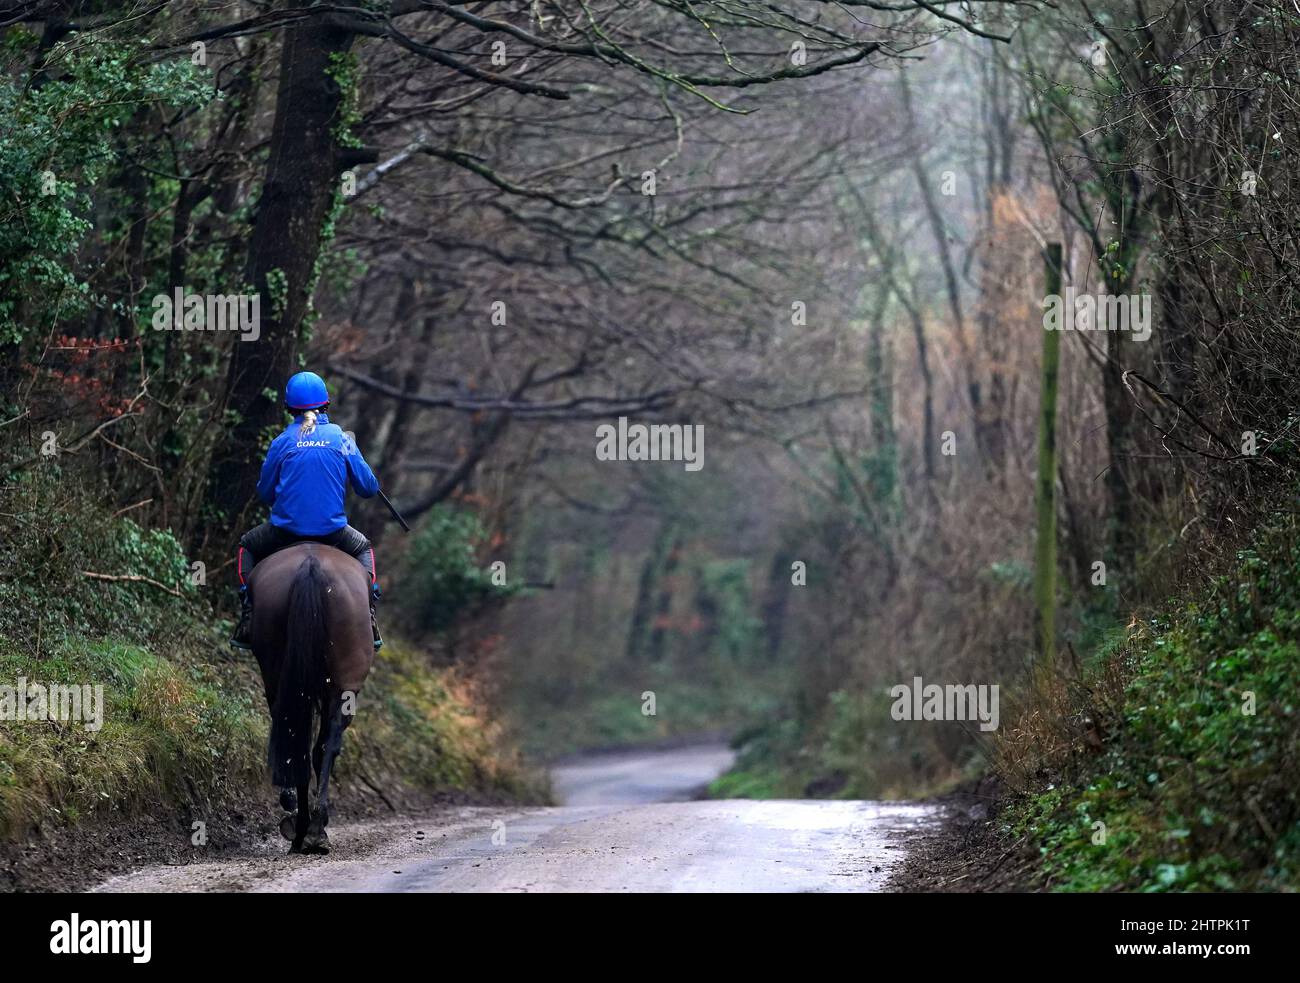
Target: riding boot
243, 632
374, 623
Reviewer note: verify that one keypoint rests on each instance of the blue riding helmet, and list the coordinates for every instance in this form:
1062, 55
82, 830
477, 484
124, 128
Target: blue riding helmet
306, 391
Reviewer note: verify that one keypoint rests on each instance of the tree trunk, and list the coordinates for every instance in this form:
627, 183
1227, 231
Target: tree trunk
638, 635
658, 646
1045, 552
296, 200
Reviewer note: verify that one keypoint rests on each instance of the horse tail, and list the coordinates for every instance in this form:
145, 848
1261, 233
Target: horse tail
302, 678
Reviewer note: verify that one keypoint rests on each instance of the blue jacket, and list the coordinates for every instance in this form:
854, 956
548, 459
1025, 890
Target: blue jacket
305, 477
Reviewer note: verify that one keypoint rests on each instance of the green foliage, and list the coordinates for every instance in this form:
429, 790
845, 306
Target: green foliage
747, 783
443, 578
723, 595
342, 72
277, 288
880, 471
59, 141
769, 765
56, 534
1195, 791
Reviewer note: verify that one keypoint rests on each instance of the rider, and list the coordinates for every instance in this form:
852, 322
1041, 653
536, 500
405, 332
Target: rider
304, 480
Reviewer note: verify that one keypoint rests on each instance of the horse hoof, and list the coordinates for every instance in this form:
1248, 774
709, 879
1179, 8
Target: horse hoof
288, 827
316, 841
288, 799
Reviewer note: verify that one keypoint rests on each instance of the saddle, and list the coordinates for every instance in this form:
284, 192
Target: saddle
266, 539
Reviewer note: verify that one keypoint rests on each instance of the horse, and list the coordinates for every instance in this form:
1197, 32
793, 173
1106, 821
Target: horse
312, 639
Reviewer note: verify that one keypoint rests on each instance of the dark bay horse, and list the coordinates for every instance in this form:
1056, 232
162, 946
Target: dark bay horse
311, 635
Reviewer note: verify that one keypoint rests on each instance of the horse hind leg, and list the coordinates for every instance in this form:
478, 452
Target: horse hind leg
289, 798
318, 751
297, 827
304, 818
337, 723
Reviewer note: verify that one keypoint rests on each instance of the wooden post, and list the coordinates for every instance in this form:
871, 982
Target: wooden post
1045, 549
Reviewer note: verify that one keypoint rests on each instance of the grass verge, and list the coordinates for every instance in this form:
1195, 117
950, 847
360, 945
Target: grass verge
183, 717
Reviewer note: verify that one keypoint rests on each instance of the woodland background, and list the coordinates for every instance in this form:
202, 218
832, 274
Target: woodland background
443, 209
